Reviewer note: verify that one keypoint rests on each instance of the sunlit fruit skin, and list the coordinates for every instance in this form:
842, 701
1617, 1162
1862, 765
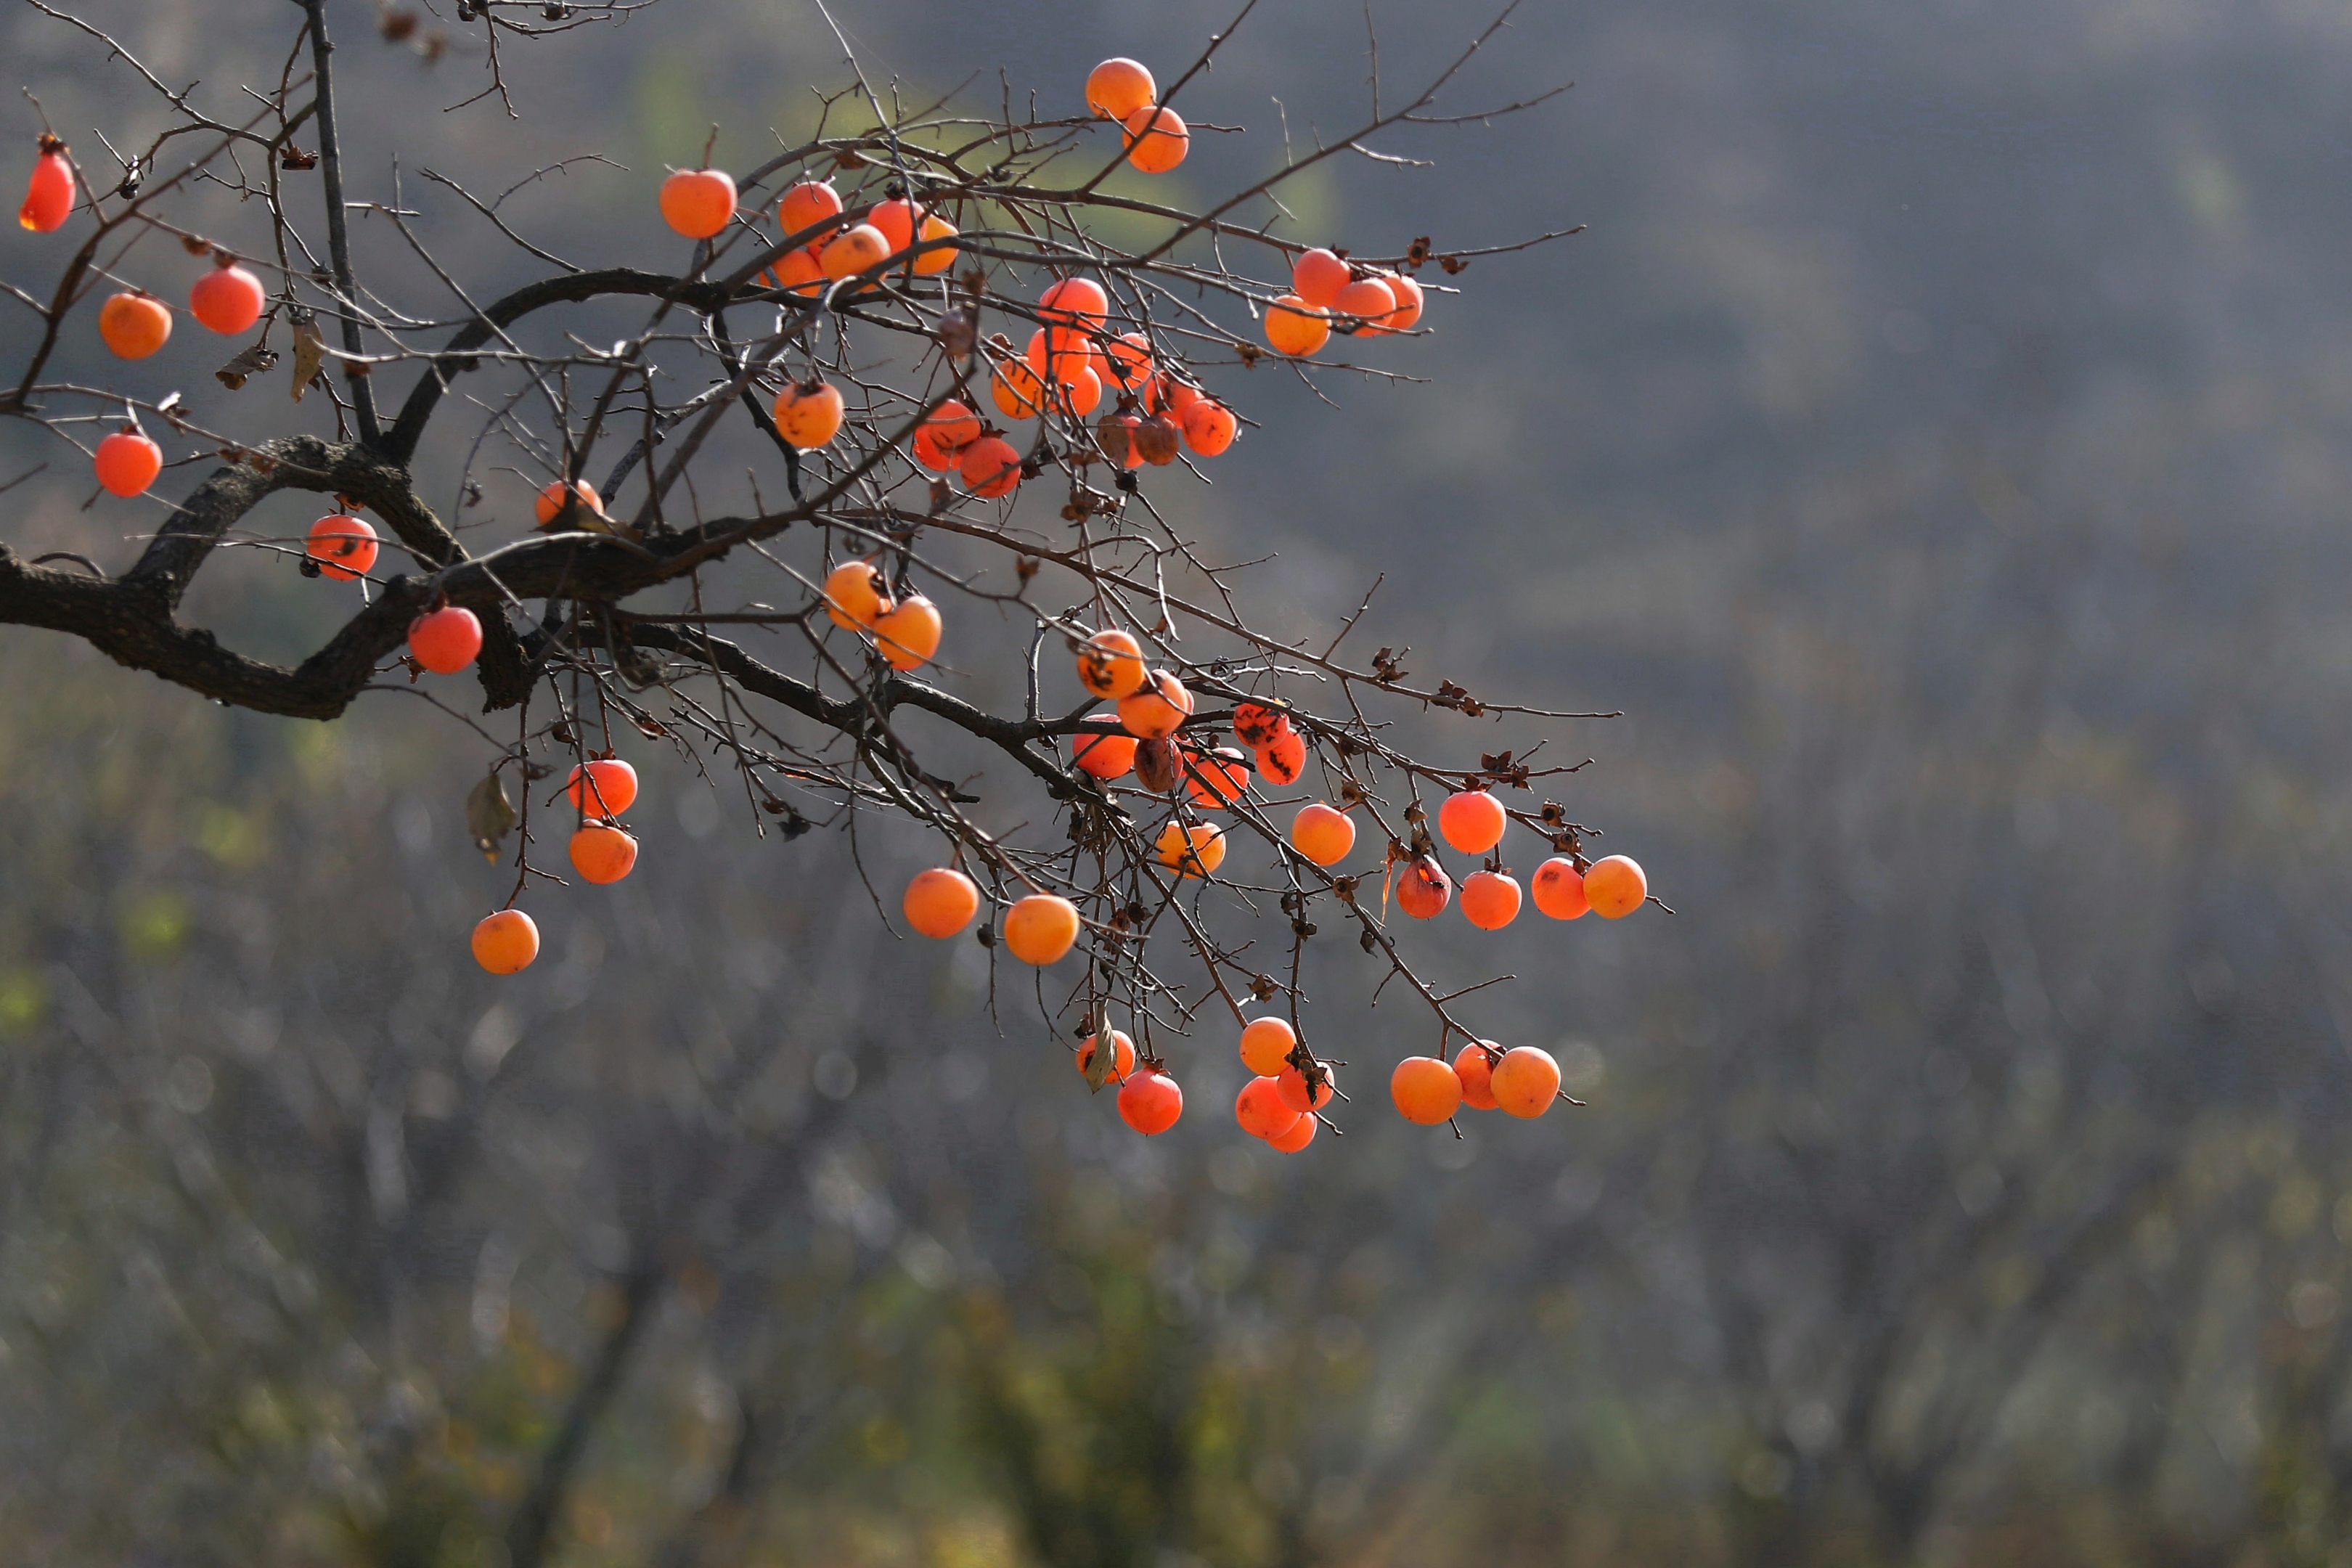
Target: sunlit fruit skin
1292, 328
445, 641
602, 786
1472, 821
809, 415
698, 203
602, 853
1422, 888
1018, 389
227, 299
1118, 87
990, 467
1104, 753
1111, 664
1131, 369
1615, 887
938, 258
1368, 300
1149, 1102
1122, 1055
1292, 1085
1475, 1069
1041, 928
1426, 1091
1196, 851
1266, 1045
908, 632
1058, 366
1490, 899
1209, 426
1214, 780
805, 207
858, 248
1557, 889
1157, 709
550, 504
135, 325
1301, 1133
856, 594
344, 547
1177, 397
1525, 1081
1317, 275
951, 426
1284, 759
800, 271
126, 463
897, 219
1322, 832
1072, 303
1259, 1110
1083, 392
1408, 301
505, 943
939, 902
50, 193
1157, 139
1257, 723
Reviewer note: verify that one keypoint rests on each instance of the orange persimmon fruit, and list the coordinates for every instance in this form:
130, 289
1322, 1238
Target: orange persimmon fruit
1472, 820
1322, 832
1149, 1102
1294, 328
1041, 928
1157, 139
1473, 1064
1122, 1055
344, 547
1426, 1091
603, 852
134, 324
1615, 887
228, 298
601, 786
505, 943
1118, 87
1157, 709
939, 902
1266, 1045
908, 632
1259, 1110
698, 203
1525, 1081
1557, 889
856, 595
1422, 888
127, 462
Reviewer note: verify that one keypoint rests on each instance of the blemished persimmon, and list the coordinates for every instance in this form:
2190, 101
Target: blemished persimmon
1157, 139
135, 325
1149, 1102
1293, 327
1111, 664
990, 467
50, 193
1209, 426
1041, 928
1557, 889
908, 632
1490, 899
805, 205
1525, 1081
1422, 888
856, 594
344, 547
550, 501
1157, 709
940, 901
1176, 397
1283, 759
698, 203
1426, 1091
1259, 1110
228, 298
1266, 1045
1196, 851
1106, 753
1473, 1064
1122, 1055
809, 413
1409, 301
1214, 780
897, 219
1073, 302
1301, 1133
1297, 1093
1322, 832
127, 462
1118, 87
1158, 767
858, 248
1368, 300
445, 640
1018, 389
1472, 820
1128, 357
1158, 440
1615, 887
601, 786
1317, 276
1257, 723
601, 852
505, 943
800, 271
945, 432
936, 257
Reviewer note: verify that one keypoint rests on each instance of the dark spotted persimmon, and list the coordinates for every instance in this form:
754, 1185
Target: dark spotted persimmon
1422, 888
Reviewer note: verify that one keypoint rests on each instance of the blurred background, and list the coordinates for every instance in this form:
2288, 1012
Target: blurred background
1935, 446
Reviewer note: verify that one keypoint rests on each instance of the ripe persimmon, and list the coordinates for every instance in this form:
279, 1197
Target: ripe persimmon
939, 902
135, 325
1083, 392
1018, 389
1472, 820
1473, 1064
990, 467
1041, 928
897, 219
1322, 832
1149, 1102
505, 943
1301, 1133
1214, 780
1422, 888
809, 414
1128, 355
445, 640
1054, 365
1196, 851
1284, 759
1209, 426
1157, 709
1257, 723
1260, 1111
1297, 1093
1615, 887
550, 501
1408, 300
858, 248
908, 632
50, 193
1266, 1045
945, 432
1118, 88
1426, 1091
1557, 889
698, 203
856, 594
127, 462
1525, 1081
1104, 753
1317, 276
228, 298
1122, 1055
805, 205
1157, 139
1294, 327
1490, 899
801, 271
601, 786
1073, 302
936, 257
344, 547
603, 852
1368, 301
1111, 664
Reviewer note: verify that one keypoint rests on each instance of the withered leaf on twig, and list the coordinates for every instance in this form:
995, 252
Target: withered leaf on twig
489, 816
250, 361
1101, 1063
310, 353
